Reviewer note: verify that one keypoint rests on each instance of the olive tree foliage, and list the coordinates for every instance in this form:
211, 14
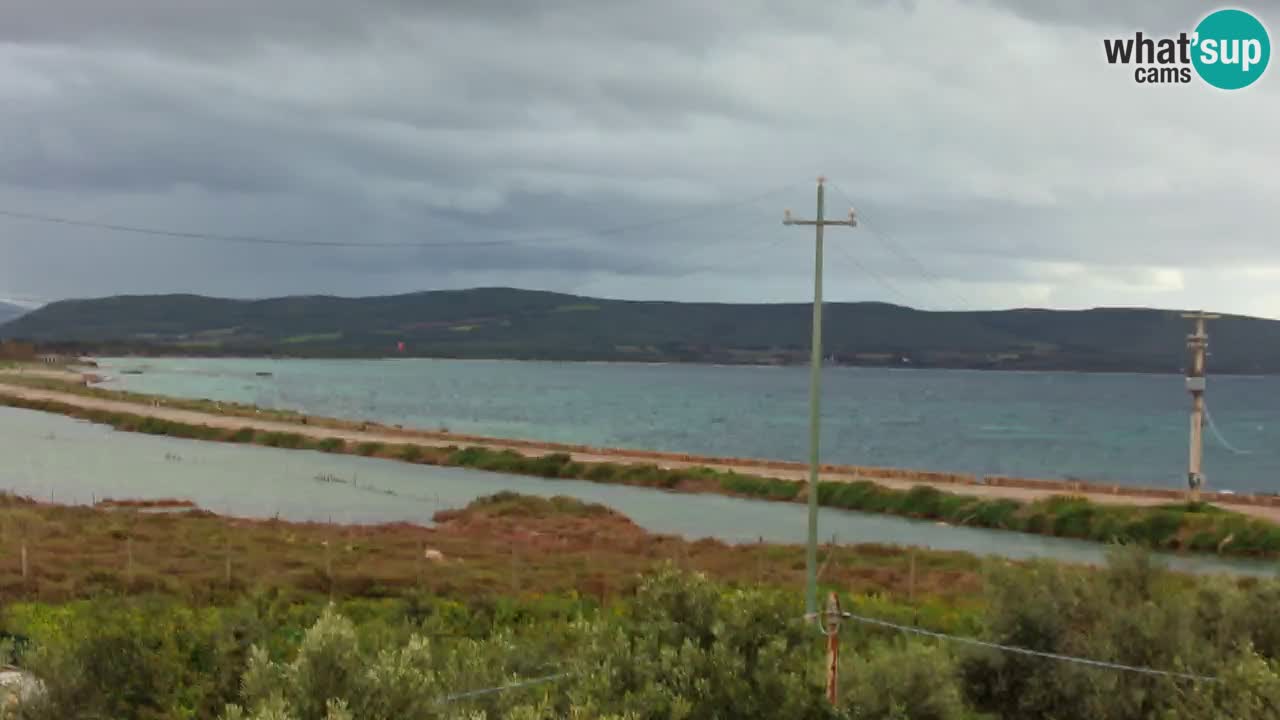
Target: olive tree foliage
1136, 613
690, 649
333, 678
903, 681
685, 648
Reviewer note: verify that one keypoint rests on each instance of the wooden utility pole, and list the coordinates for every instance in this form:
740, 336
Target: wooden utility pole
815, 371
833, 647
1197, 345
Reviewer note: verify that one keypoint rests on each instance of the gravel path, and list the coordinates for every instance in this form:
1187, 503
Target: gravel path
435, 439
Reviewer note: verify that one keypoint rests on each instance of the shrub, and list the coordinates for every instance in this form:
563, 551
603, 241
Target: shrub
910, 681
995, 513
602, 472
770, 488
110, 658
282, 440
548, 466
331, 445
243, 435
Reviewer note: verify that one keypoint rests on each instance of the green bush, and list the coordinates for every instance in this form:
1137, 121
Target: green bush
331, 445
133, 659
548, 466
602, 472
681, 647
995, 513
282, 440
911, 681
243, 435
1134, 613
768, 488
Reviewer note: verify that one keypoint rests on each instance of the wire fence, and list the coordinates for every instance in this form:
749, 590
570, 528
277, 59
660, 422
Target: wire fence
1103, 664
519, 684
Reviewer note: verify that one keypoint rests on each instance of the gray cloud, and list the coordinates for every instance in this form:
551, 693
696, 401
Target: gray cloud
996, 157
1164, 16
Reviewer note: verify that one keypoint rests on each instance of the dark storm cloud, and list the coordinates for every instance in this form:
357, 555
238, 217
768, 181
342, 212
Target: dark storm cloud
987, 140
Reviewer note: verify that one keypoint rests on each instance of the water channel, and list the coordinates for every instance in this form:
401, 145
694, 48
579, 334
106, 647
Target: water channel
71, 461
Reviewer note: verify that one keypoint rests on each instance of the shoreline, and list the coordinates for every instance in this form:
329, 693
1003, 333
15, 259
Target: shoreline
943, 479
235, 416
1157, 519
719, 363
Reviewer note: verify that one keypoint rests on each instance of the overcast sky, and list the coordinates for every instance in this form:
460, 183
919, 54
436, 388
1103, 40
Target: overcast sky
995, 157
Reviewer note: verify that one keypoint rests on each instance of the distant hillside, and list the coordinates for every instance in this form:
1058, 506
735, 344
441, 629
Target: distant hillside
9, 312
522, 324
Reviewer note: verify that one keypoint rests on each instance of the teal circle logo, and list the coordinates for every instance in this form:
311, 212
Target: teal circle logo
1232, 49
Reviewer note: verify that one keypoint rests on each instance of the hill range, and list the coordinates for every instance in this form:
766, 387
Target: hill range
9, 311
525, 324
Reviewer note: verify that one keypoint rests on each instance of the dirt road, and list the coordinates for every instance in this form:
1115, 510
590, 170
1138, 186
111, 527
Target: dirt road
432, 439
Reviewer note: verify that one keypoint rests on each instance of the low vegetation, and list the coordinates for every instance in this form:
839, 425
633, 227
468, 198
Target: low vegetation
504, 545
678, 645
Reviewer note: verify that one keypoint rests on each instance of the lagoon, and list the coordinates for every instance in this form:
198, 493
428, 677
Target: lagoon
1115, 428
71, 461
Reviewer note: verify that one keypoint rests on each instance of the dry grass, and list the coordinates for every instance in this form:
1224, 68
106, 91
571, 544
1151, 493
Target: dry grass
513, 545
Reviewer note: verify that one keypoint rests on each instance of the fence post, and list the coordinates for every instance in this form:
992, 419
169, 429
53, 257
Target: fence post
227, 557
911, 577
128, 567
24, 561
515, 585
833, 647
760, 560
328, 567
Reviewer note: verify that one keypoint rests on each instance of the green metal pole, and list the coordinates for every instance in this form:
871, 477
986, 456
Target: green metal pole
815, 379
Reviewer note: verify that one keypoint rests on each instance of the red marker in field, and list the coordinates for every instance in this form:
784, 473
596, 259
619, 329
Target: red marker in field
400, 346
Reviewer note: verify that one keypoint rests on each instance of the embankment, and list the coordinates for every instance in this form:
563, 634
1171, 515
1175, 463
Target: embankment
1151, 521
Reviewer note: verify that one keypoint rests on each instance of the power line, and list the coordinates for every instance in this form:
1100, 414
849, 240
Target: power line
503, 688
249, 239
1025, 651
1218, 434
877, 277
741, 259
905, 255
260, 240
693, 214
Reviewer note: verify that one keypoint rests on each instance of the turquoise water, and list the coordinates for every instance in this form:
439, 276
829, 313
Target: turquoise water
54, 457
1104, 427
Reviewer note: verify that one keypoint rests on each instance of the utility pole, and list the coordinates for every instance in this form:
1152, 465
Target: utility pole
815, 372
833, 648
1197, 344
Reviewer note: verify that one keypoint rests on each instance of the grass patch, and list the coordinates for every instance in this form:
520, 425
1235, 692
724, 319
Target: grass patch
243, 435
78, 552
291, 441
760, 487
331, 445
